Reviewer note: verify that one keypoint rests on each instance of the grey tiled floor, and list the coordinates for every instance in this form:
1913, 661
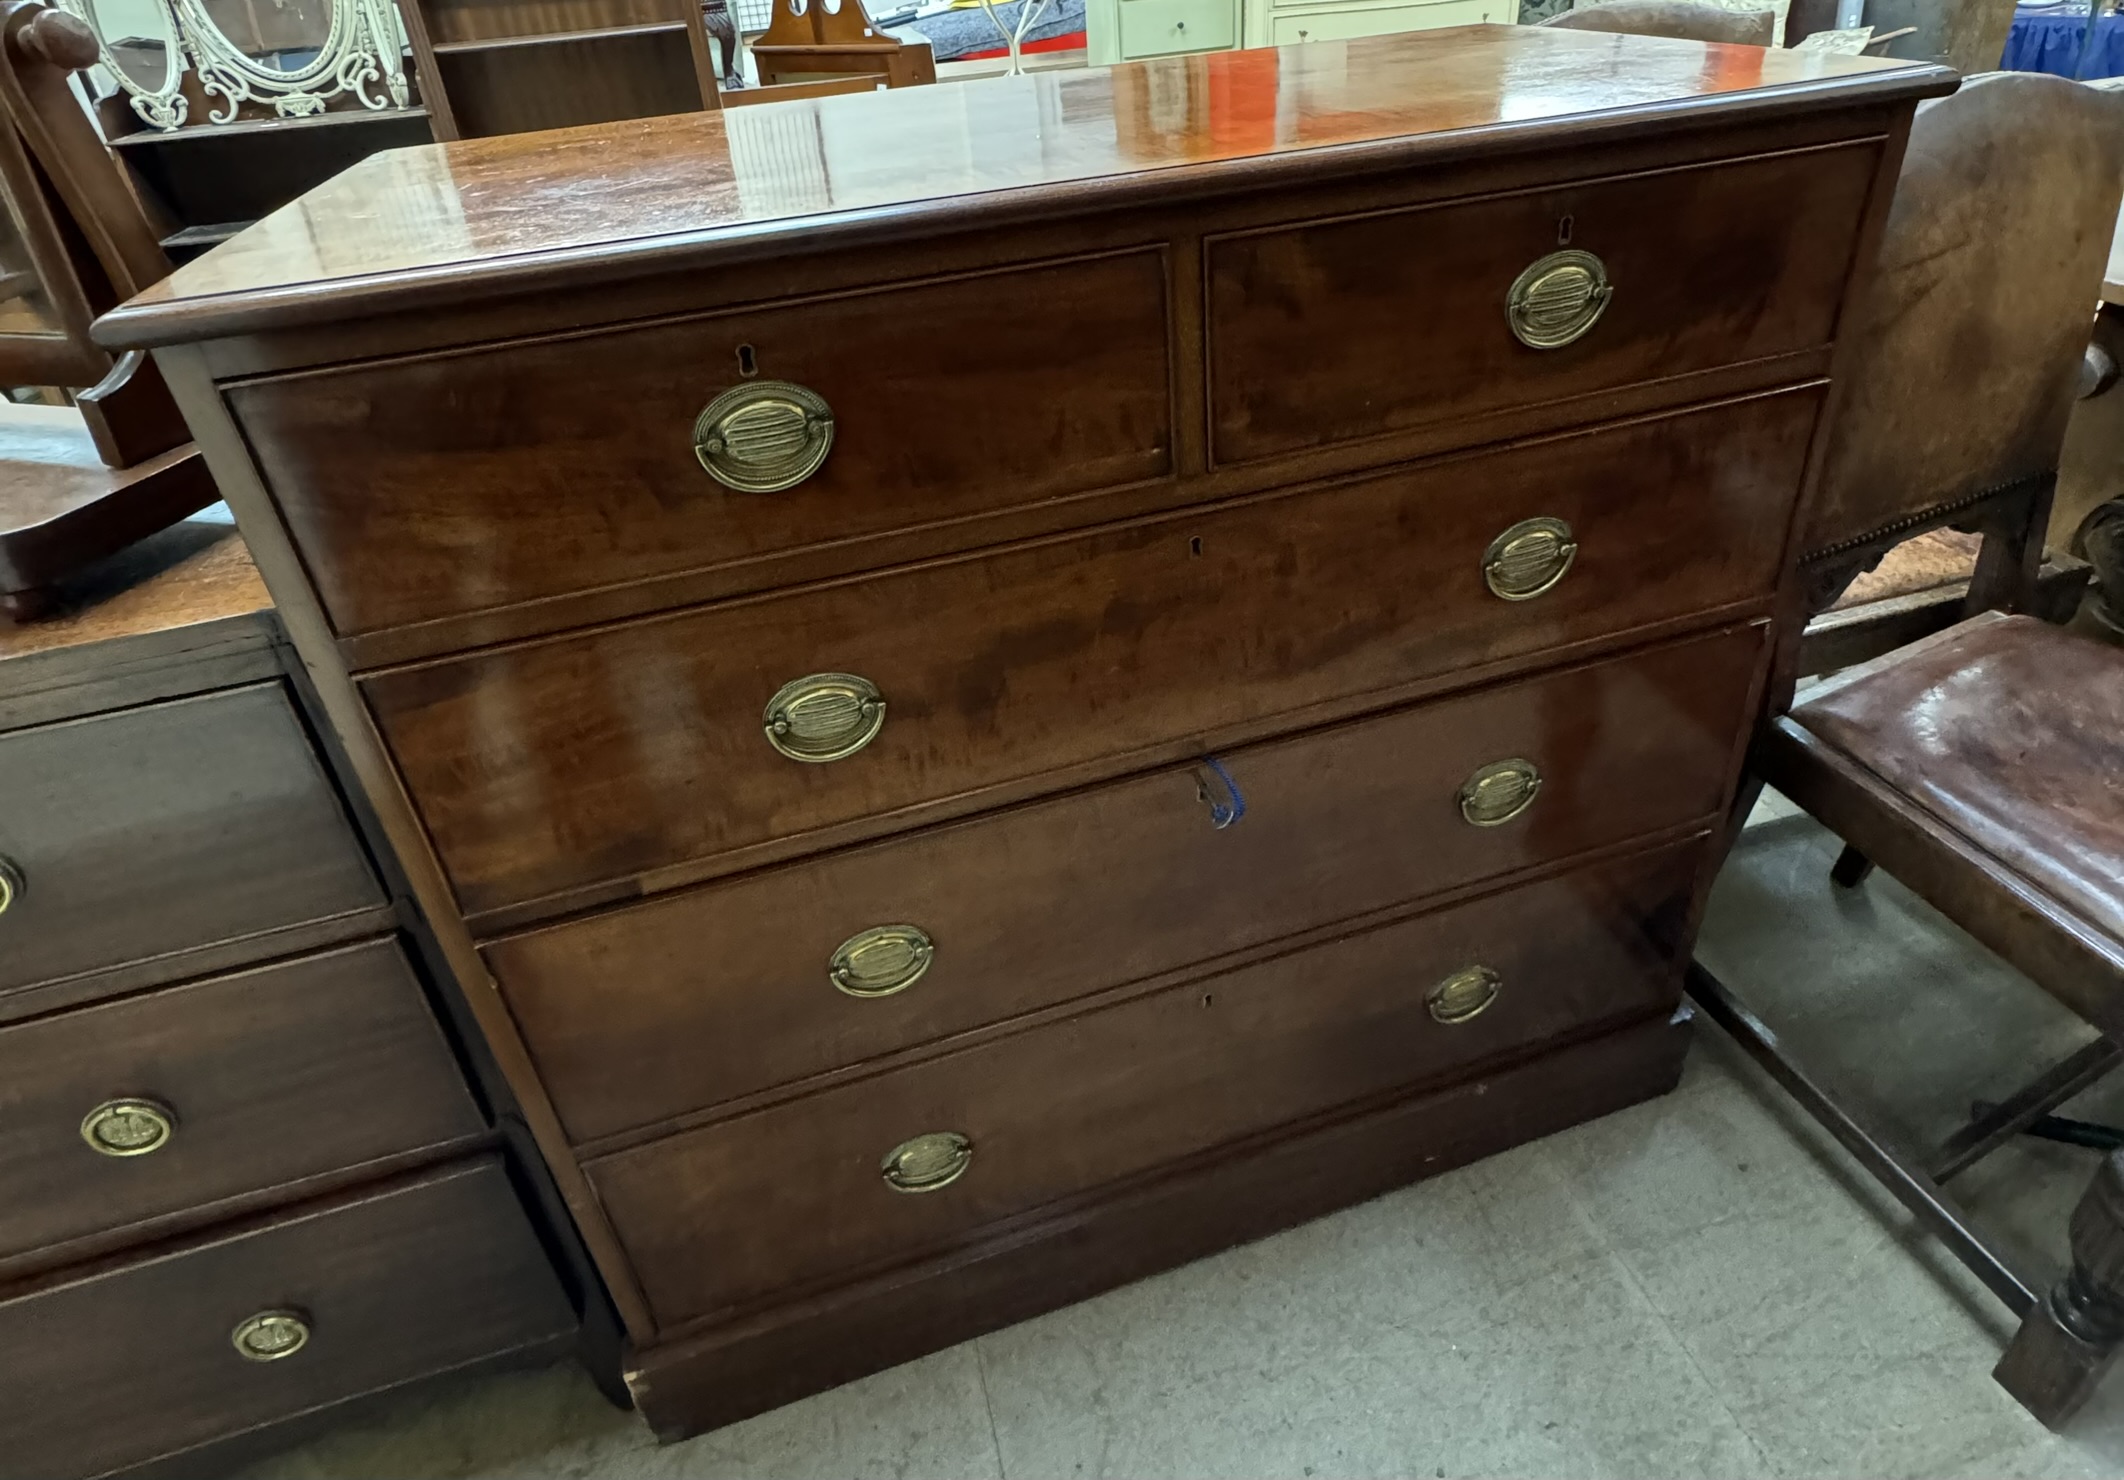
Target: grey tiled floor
1699, 1286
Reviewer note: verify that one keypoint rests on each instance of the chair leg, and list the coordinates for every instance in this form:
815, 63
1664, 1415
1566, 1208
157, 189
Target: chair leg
1851, 868
2067, 1340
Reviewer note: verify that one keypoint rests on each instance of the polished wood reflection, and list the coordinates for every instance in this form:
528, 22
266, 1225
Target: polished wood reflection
587, 762
1340, 823
586, 190
1053, 1113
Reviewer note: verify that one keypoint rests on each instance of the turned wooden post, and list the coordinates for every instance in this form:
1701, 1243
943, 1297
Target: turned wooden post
2066, 1342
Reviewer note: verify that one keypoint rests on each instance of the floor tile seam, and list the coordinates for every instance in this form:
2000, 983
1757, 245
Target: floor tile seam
988, 1404
1715, 1389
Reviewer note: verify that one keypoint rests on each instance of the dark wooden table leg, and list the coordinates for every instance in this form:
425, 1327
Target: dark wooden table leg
1851, 868
2066, 1341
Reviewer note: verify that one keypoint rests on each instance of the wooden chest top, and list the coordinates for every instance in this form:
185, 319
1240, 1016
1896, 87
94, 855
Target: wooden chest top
450, 223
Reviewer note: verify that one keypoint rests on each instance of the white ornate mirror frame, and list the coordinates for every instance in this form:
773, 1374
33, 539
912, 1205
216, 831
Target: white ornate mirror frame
359, 56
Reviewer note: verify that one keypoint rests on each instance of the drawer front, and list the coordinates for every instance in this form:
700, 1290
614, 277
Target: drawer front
1708, 266
571, 763
796, 1195
684, 1001
439, 486
216, 1089
1156, 28
141, 1362
1293, 27
164, 828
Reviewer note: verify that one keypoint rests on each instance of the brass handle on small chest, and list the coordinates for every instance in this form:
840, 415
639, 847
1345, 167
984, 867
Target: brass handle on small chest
1465, 994
271, 1335
1499, 792
928, 1162
764, 436
11, 884
129, 1127
824, 716
1558, 299
1529, 558
881, 960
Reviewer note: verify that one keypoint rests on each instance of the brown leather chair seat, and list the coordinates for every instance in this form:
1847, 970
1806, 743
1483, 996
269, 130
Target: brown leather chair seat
2009, 732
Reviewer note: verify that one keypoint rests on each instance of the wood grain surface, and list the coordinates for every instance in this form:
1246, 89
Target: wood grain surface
1059, 1110
153, 831
272, 1075
396, 1282
560, 766
486, 216
500, 481
713, 994
1714, 265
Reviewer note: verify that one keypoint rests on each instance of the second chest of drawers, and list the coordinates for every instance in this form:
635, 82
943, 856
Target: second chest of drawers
244, 1178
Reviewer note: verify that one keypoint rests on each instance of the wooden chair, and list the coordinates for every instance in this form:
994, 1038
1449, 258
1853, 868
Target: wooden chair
1978, 766
806, 41
80, 483
1685, 20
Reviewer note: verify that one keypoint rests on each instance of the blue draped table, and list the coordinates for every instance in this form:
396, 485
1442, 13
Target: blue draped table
2050, 42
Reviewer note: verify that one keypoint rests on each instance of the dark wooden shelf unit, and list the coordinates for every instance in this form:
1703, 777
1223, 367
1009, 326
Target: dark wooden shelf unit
521, 65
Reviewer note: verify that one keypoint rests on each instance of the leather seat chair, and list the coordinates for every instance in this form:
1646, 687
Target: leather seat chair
1982, 766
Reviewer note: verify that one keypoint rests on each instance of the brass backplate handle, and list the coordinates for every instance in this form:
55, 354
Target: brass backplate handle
132, 1126
824, 716
1465, 994
763, 436
11, 884
1529, 558
1499, 792
1558, 299
927, 1163
881, 960
271, 1335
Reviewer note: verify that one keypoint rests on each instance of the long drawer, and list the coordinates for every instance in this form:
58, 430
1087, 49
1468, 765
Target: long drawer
151, 831
1703, 267
712, 993
150, 1359
424, 488
120, 1114
573, 762
834, 1185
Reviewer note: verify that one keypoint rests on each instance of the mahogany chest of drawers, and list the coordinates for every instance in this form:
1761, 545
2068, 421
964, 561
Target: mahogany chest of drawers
990, 688
244, 1181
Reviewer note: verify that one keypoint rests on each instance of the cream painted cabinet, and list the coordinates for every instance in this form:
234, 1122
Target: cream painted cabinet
1124, 30
1292, 22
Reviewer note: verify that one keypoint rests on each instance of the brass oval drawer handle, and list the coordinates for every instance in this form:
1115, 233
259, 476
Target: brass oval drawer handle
764, 436
881, 960
129, 1127
12, 884
1558, 299
271, 1335
1465, 994
824, 716
927, 1163
1529, 558
1499, 792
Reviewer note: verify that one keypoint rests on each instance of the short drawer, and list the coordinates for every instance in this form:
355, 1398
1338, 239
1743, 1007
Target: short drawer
556, 766
176, 1100
1339, 23
682, 1002
454, 483
152, 831
997, 1131
151, 1359
1402, 320
1156, 28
